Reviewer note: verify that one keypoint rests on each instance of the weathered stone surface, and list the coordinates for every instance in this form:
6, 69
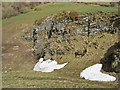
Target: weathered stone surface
52, 35
111, 60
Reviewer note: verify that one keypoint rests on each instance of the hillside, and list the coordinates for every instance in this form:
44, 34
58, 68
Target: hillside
18, 59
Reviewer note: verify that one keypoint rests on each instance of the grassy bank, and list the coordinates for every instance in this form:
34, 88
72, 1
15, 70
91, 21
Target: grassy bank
18, 64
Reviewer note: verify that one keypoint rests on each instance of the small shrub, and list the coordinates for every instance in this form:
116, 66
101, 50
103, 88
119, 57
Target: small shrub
31, 7
39, 21
37, 9
8, 12
62, 16
73, 15
10, 9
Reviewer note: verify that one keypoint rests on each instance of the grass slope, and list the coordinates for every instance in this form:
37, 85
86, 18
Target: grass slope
47, 9
18, 63
49, 80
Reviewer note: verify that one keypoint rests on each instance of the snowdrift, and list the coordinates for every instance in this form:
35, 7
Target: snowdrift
47, 66
93, 73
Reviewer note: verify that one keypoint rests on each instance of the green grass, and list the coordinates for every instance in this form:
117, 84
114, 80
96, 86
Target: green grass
48, 80
48, 9
69, 76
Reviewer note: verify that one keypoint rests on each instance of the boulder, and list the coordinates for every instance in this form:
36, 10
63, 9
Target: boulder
111, 60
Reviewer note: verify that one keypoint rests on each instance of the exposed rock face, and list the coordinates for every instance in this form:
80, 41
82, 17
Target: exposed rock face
111, 60
53, 36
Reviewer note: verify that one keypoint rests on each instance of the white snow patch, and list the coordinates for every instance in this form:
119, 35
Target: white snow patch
47, 66
93, 73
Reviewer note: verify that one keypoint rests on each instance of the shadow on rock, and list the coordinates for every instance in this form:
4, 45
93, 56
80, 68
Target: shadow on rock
111, 59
